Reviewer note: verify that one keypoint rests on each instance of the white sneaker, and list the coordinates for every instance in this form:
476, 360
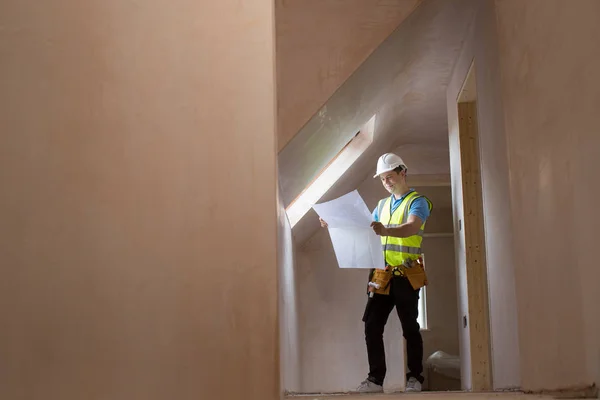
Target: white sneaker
413, 385
369, 387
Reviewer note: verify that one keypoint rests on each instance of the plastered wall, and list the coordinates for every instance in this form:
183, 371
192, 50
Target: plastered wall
320, 43
331, 303
538, 123
481, 48
442, 320
125, 273
549, 63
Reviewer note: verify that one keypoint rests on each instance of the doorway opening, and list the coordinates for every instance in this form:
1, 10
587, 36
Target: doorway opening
322, 335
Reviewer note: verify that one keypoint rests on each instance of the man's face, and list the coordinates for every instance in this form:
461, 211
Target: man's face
392, 180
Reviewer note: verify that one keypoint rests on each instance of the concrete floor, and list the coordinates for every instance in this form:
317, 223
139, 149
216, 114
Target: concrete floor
424, 396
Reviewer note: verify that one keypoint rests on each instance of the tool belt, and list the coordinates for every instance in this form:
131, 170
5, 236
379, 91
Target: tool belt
413, 270
380, 278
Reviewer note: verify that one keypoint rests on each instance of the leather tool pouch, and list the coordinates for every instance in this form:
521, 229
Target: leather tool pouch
382, 278
416, 275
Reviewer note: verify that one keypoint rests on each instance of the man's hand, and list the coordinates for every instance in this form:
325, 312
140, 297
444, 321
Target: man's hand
379, 228
323, 223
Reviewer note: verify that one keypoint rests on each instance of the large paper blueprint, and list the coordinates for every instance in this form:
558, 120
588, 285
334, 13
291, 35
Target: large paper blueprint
354, 242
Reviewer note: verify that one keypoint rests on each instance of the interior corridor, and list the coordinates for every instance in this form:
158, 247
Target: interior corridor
159, 161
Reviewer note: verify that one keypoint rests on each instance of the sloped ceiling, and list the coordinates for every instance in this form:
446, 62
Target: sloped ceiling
403, 82
320, 43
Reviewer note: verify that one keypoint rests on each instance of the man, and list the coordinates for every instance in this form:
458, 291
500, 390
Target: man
400, 221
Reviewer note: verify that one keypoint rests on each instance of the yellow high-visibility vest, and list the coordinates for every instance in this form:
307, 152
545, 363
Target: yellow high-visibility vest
397, 250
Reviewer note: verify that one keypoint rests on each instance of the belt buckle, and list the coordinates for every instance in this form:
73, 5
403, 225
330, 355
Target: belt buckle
397, 271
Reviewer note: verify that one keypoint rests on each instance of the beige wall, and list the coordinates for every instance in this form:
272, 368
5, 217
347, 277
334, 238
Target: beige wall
331, 303
130, 131
537, 94
481, 47
442, 310
549, 62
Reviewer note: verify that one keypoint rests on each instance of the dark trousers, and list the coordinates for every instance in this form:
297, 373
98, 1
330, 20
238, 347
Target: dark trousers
378, 309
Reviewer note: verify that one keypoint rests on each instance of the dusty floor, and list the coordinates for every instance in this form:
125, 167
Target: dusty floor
424, 396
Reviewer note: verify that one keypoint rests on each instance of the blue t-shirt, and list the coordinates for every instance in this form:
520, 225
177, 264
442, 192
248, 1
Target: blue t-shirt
419, 207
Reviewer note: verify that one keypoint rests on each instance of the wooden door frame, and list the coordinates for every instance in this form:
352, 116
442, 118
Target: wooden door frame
473, 226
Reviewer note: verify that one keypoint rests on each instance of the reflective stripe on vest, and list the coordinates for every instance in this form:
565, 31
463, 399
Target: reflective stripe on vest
402, 249
397, 250
420, 233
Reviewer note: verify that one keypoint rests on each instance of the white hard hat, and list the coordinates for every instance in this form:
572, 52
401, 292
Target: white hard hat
388, 162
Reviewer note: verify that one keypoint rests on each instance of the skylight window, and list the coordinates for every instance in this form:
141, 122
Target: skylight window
331, 173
